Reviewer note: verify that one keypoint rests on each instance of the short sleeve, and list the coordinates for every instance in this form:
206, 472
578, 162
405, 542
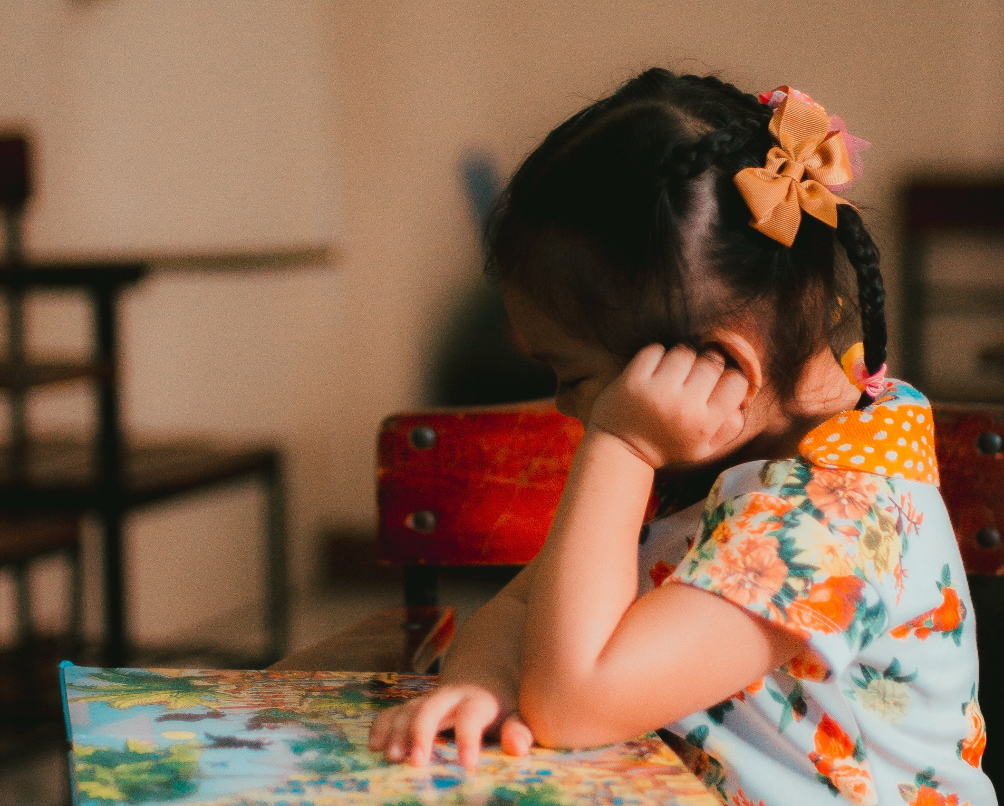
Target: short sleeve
777, 561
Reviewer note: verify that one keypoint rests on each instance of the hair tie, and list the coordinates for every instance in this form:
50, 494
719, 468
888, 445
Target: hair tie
810, 159
853, 363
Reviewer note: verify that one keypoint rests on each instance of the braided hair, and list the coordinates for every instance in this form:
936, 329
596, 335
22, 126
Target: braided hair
625, 226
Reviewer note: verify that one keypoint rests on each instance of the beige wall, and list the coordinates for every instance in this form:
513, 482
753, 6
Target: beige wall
316, 357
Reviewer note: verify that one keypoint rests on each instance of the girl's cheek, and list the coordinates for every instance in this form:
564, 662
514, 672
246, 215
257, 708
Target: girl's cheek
565, 403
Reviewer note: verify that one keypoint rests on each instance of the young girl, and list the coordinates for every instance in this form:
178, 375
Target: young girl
804, 634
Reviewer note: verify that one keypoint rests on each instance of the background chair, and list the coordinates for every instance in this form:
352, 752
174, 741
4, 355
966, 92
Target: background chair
28, 688
953, 287
47, 483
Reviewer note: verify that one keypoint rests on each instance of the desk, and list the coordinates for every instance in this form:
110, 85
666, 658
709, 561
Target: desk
297, 738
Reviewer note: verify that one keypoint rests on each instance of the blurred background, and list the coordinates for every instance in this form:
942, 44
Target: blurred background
302, 180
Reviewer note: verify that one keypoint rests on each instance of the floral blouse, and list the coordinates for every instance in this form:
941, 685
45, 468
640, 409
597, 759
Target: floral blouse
848, 546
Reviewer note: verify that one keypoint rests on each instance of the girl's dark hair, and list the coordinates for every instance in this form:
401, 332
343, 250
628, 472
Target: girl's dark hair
625, 226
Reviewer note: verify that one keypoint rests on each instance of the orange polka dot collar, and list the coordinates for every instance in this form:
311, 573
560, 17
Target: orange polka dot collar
892, 437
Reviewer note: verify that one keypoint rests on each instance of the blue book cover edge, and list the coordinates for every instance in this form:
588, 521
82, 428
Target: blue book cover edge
74, 793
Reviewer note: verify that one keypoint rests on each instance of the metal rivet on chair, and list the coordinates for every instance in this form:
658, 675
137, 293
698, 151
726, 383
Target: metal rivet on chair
422, 521
988, 537
424, 437
990, 442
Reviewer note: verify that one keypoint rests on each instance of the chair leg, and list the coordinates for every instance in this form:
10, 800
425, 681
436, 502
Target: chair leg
116, 648
22, 592
277, 615
421, 585
76, 602
421, 588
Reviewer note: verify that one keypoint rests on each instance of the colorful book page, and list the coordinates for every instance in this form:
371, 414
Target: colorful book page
250, 738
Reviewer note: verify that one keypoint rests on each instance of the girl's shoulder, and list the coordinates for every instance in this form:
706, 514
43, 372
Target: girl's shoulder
848, 460
892, 438
860, 503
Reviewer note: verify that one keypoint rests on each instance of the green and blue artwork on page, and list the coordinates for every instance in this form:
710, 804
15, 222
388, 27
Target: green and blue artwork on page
261, 738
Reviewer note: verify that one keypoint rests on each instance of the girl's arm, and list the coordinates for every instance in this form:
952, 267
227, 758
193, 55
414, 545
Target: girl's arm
486, 650
600, 665
479, 687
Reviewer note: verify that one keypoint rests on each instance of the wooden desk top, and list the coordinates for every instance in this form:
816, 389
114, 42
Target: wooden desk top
237, 737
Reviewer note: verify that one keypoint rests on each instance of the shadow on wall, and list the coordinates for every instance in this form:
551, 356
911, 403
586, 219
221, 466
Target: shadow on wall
478, 361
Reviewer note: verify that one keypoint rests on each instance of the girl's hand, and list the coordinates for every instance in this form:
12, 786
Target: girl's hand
407, 731
673, 406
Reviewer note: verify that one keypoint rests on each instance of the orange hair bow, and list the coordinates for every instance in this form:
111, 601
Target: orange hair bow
809, 157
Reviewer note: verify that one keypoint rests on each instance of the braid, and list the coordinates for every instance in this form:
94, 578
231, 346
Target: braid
686, 160
749, 103
863, 255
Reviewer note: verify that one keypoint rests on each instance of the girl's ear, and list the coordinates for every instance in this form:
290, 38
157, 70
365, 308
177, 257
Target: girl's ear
742, 354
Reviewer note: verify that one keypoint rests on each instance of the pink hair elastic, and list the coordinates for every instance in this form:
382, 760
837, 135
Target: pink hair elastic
853, 363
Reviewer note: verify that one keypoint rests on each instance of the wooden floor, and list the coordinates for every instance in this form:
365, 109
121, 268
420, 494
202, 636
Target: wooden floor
37, 774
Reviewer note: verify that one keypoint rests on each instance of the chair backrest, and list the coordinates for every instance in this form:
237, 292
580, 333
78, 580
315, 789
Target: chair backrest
480, 486
472, 486
969, 445
969, 442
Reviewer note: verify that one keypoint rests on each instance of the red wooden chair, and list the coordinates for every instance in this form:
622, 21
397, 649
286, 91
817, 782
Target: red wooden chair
455, 488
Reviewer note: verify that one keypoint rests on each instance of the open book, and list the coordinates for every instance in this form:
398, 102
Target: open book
152, 736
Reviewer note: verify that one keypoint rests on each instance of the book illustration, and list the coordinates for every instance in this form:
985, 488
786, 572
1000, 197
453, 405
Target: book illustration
253, 738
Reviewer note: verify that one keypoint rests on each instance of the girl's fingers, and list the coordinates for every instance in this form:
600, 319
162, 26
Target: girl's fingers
434, 715
380, 729
676, 365
408, 731
729, 430
471, 718
398, 742
645, 363
729, 393
704, 376
378, 732
726, 405
515, 737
